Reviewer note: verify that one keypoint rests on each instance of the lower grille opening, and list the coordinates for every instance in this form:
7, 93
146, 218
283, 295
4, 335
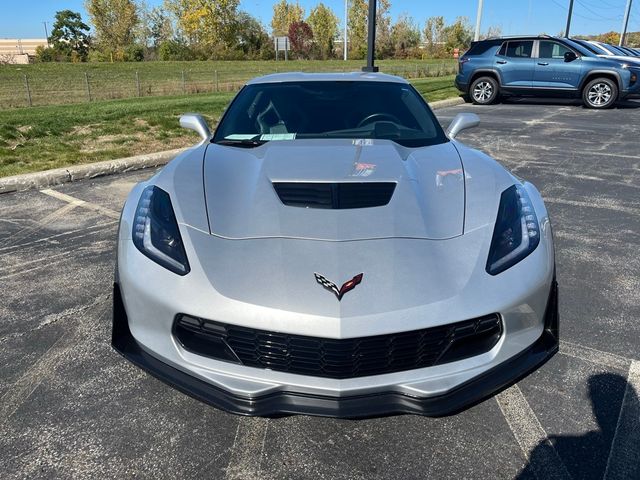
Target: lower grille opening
338, 358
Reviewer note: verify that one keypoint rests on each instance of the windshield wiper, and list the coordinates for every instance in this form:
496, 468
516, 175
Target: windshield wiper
243, 143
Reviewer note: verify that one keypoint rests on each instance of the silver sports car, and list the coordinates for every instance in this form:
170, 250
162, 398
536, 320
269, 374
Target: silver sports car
330, 250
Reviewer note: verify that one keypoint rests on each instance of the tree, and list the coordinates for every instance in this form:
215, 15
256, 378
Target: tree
210, 23
357, 27
458, 35
284, 15
612, 38
496, 31
301, 36
115, 22
252, 37
157, 27
324, 25
69, 36
405, 36
434, 36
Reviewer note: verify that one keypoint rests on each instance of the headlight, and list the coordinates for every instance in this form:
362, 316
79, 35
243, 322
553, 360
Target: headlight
155, 231
517, 232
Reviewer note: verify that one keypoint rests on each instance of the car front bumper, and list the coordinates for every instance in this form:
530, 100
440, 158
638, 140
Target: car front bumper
284, 402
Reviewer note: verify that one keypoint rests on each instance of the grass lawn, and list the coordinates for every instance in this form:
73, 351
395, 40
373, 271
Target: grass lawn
40, 138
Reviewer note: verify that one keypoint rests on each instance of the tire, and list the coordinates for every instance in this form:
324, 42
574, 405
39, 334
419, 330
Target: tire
484, 91
600, 93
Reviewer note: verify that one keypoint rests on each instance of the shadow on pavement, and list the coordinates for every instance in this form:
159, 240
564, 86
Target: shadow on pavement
585, 456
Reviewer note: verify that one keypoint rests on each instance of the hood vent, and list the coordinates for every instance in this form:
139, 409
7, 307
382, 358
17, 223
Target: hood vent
335, 195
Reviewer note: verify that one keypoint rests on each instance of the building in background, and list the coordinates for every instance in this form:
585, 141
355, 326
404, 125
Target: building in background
19, 50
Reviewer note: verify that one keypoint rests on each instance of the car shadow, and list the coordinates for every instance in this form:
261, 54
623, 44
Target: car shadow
573, 102
586, 456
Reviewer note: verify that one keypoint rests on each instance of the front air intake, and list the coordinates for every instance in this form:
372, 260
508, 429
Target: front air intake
335, 195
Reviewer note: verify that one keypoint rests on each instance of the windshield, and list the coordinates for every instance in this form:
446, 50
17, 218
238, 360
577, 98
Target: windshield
329, 109
577, 46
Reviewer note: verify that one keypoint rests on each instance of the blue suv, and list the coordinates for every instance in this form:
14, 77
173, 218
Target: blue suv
543, 66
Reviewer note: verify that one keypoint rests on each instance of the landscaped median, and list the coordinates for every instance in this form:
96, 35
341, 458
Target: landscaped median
64, 138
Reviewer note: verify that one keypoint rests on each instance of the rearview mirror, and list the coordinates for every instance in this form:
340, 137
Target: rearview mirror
569, 56
193, 121
461, 122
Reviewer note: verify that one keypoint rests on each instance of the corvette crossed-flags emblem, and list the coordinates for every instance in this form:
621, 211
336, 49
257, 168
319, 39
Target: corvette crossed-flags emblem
348, 286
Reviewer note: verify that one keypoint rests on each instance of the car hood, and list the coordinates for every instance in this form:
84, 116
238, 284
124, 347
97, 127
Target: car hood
242, 203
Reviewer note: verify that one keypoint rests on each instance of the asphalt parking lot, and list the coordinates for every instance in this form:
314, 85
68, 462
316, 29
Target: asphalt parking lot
71, 407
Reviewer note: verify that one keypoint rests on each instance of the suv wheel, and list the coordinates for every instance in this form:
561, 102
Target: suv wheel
484, 91
600, 93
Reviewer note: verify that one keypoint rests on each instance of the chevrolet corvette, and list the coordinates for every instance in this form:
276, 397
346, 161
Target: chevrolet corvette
331, 250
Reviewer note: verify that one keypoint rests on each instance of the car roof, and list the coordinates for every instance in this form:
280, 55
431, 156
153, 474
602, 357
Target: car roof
326, 77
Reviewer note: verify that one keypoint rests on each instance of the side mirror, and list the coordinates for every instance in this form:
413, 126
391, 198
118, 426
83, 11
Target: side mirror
193, 121
569, 56
461, 122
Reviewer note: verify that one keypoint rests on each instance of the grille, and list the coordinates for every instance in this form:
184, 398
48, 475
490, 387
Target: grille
334, 195
338, 358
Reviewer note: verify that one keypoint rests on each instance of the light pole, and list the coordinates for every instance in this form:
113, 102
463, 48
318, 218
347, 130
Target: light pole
476, 37
371, 41
46, 34
625, 22
346, 19
566, 30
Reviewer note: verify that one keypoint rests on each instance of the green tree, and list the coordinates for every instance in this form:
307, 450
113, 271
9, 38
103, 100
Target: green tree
70, 36
324, 25
434, 36
357, 27
211, 24
405, 36
252, 37
115, 23
284, 15
458, 35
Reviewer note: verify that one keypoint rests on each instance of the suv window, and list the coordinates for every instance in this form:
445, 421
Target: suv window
552, 50
520, 49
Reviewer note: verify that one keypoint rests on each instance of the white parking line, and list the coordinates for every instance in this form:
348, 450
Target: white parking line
81, 203
595, 204
22, 389
530, 435
624, 456
592, 355
25, 232
247, 450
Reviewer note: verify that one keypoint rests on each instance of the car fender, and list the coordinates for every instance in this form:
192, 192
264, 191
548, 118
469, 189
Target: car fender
493, 71
590, 73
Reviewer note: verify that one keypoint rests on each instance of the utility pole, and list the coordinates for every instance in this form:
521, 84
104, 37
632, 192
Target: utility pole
476, 37
625, 23
566, 30
346, 19
46, 34
371, 41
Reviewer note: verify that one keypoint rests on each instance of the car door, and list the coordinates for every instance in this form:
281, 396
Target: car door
515, 64
553, 70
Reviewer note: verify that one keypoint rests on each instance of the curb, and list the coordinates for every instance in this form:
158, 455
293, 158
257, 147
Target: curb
73, 173
449, 102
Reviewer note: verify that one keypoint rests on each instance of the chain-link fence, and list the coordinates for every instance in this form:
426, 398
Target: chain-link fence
25, 89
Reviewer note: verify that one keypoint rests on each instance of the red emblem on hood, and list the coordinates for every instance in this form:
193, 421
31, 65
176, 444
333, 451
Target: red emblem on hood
348, 286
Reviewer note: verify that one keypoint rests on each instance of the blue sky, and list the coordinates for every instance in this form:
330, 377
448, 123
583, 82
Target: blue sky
23, 19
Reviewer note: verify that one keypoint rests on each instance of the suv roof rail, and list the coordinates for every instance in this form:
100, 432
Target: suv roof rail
519, 36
